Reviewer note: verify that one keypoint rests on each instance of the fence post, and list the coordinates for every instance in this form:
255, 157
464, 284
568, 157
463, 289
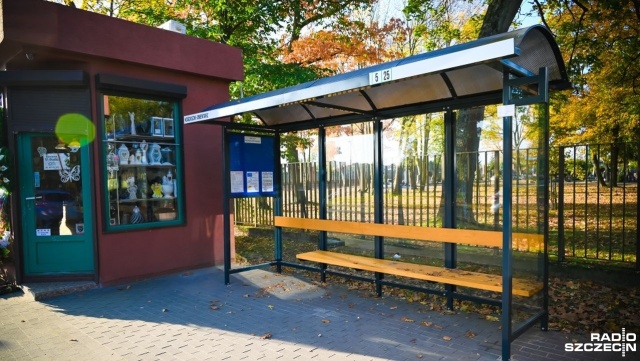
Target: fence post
561, 204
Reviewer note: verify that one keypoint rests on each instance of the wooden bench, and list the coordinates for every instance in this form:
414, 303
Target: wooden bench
477, 280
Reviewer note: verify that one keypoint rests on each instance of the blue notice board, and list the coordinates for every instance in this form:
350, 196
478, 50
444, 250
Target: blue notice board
251, 165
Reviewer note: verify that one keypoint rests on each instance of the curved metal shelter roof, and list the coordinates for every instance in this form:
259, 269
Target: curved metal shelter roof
458, 73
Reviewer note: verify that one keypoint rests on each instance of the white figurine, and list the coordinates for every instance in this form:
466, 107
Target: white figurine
132, 188
144, 146
133, 123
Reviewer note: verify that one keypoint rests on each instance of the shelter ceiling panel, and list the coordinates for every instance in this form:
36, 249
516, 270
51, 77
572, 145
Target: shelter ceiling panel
412, 91
353, 100
322, 112
283, 115
476, 79
540, 52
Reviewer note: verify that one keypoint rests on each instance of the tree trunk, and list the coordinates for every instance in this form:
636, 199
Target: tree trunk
397, 190
596, 166
498, 18
613, 167
364, 183
467, 144
423, 162
615, 154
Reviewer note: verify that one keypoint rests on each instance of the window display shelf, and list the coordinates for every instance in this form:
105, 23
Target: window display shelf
163, 165
143, 174
131, 201
137, 139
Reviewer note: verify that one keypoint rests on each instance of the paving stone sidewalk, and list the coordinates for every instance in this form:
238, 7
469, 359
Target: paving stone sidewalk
261, 315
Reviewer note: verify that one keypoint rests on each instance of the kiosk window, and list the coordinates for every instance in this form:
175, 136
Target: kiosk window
142, 162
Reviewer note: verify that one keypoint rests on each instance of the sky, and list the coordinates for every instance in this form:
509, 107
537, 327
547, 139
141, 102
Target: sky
394, 9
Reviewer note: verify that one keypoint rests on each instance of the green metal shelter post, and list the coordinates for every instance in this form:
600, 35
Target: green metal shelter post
378, 197
507, 254
277, 201
449, 185
322, 162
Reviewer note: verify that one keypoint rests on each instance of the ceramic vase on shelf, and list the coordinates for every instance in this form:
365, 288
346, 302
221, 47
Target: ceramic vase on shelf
136, 216
155, 154
167, 190
167, 185
138, 157
167, 156
123, 154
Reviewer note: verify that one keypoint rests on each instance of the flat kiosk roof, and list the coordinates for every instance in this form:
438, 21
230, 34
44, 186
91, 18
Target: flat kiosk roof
511, 69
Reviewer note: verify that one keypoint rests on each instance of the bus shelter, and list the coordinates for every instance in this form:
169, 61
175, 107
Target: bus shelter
480, 213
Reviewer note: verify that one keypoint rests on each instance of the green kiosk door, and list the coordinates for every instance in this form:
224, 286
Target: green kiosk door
56, 206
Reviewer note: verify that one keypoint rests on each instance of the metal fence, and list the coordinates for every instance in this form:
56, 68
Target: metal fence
598, 204
594, 207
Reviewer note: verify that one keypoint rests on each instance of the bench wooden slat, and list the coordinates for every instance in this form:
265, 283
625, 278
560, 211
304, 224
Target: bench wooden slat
428, 273
433, 234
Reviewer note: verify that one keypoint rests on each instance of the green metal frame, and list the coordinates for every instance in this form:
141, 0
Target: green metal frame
512, 79
26, 190
178, 155
541, 97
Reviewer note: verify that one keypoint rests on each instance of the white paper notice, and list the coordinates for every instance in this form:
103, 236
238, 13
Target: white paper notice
253, 182
252, 140
506, 110
43, 232
267, 181
55, 161
237, 181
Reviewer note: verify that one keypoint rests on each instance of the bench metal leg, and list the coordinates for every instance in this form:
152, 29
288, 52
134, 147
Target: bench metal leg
323, 273
544, 322
450, 292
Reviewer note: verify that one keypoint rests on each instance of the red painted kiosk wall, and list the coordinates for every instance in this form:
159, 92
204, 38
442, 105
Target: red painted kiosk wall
65, 38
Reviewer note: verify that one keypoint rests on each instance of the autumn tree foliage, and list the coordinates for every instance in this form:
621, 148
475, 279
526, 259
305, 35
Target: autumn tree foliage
601, 46
354, 45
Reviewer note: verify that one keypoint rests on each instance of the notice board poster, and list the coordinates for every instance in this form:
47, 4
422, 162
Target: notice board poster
252, 165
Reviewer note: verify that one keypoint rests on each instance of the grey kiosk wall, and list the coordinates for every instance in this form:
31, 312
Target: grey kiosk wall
513, 69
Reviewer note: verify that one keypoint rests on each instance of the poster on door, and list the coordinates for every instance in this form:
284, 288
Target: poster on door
56, 161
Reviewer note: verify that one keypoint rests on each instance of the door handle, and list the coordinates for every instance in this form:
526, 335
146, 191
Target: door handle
32, 198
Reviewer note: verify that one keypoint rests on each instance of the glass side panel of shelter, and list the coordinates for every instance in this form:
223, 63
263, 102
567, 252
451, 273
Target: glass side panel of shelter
413, 177
141, 157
